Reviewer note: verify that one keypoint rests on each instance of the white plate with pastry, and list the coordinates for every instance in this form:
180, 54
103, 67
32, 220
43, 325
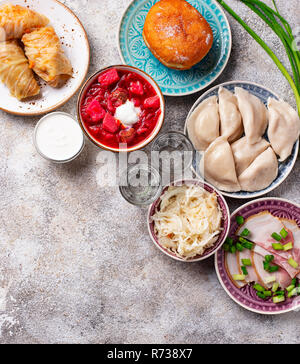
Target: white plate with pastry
247, 138
44, 56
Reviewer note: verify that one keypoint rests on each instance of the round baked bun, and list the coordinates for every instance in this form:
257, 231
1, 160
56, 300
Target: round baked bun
177, 34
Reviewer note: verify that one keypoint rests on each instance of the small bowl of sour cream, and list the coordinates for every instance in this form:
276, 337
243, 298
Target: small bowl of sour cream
58, 137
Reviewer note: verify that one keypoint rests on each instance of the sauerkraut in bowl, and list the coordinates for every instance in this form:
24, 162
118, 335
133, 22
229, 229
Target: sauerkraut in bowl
190, 221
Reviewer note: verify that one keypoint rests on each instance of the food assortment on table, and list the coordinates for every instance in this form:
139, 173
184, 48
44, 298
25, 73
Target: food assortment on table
244, 139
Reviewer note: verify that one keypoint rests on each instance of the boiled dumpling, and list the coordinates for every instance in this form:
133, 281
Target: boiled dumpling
245, 153
261, 173
230, 117
284, 127
204, 124
254, 115
217, 166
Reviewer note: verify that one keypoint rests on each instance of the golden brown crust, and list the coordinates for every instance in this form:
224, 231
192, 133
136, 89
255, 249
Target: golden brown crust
177, 34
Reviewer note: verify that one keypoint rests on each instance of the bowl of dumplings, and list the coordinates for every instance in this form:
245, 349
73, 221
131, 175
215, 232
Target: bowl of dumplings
246, 138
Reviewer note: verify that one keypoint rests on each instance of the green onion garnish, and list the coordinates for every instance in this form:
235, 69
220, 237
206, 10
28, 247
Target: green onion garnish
290, 288
268, 293
269, 258
244, 270
283, 30
245, 232
293, 293
275, 287
288, 246
273, 269
239, 247
261, 295
232, 249
226, 247
229, 241
240, 220
266, 266
284, 233
278, 299
280, 293
247, 262
246, 243
294, 281
258, 288
276, 236
239, 277
293, 263
277, 246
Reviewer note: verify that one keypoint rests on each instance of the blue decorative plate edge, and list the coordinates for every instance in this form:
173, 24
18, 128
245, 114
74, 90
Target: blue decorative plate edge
191, 92
293, 158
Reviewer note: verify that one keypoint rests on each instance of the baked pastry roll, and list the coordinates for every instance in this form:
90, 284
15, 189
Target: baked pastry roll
15, 72
46, 56
177, 34
16, 20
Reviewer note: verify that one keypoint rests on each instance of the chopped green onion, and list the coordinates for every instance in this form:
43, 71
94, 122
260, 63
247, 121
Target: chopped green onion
239, 247
277, 246
276, 236
244, 270
261, 295
294, 281
284, 233
290, 288
229, 241
240, 220
280, 293
258, 288
288, 246
293, 263
245, 232
239, 277
232, 249
247, 262
266, 266
275, 287
293, 293
268, 293
273, 269
226, 247
269, 258
270, 279
246, 243
278, 299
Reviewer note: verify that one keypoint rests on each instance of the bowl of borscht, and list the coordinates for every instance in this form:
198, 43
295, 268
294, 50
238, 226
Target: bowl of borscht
121, 108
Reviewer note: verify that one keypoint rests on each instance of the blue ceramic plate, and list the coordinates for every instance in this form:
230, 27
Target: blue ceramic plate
134, 51
263, 94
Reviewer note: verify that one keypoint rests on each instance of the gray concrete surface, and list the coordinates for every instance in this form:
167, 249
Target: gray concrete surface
76, 262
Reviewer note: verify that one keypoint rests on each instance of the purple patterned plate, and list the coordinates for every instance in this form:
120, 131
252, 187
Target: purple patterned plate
246, 296
225, 221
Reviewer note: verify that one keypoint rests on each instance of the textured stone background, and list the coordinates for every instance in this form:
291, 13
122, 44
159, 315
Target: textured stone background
76, 262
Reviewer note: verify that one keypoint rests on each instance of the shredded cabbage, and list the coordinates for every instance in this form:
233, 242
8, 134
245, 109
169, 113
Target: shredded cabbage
188, 220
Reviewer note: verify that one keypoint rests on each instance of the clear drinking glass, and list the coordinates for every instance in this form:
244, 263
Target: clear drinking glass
140, 185
172, 154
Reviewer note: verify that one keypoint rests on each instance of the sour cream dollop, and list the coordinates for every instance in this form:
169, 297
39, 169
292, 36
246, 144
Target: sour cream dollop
58, 137
127, 113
